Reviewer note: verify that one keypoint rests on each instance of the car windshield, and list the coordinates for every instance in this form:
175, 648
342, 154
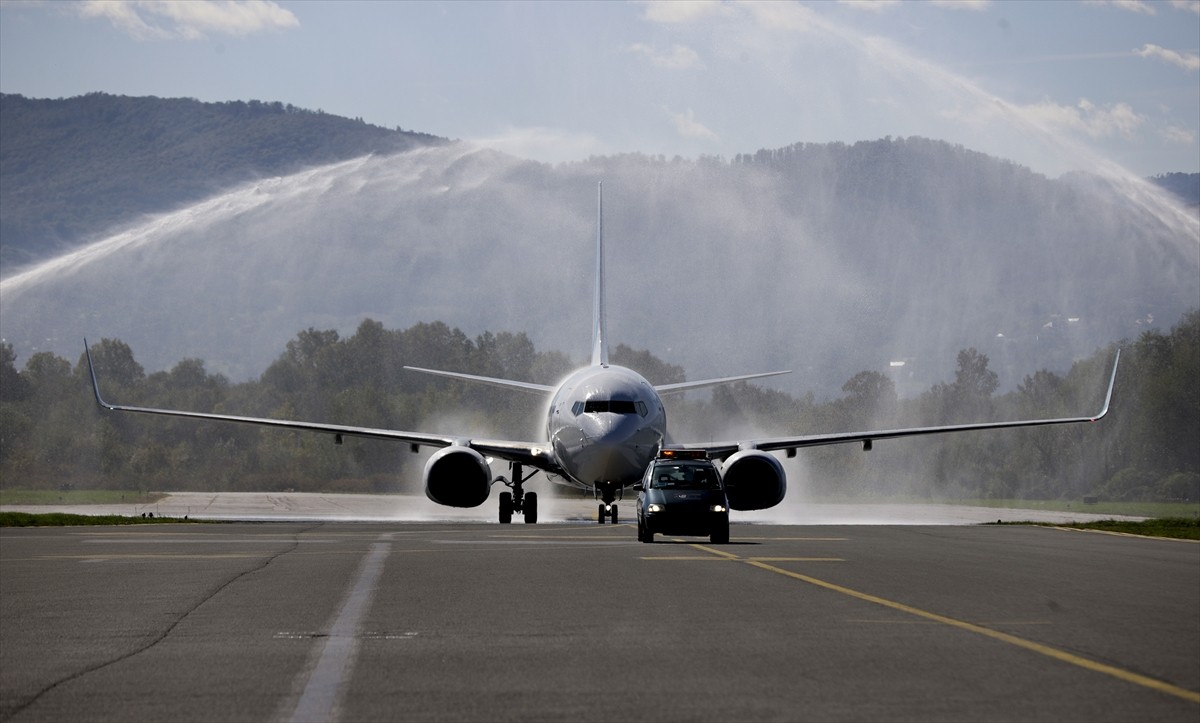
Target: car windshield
684, 477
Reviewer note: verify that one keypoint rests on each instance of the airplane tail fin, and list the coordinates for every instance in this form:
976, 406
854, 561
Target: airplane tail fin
599, 317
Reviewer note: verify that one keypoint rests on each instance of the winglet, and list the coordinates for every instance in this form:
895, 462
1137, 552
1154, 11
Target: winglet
92, 370
1111, 382
599, 317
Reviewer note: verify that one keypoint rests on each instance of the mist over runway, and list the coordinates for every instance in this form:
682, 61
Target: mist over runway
452, 621
332, 507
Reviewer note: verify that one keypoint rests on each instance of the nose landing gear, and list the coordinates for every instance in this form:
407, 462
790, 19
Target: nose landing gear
518, 500
608, 508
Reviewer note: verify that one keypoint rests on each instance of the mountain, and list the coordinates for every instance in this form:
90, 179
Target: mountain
77, 166
1186, 186
828, 259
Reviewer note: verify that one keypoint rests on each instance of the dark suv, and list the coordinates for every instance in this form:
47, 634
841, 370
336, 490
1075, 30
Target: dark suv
682, 494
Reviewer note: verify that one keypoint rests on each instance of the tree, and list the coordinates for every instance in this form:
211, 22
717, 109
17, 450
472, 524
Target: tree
114, 359
12, 386
973, 378
871, 396
643, 362
49, 376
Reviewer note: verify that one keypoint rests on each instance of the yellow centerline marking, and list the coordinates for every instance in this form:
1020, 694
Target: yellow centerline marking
1127, 534
796, 559
797, 539
560, 537
150, 556
686, 558
1061, 655
931, 622
708, 558
715, 551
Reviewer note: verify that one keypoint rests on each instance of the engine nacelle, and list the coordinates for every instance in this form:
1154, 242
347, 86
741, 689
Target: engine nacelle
457, 477
753, 480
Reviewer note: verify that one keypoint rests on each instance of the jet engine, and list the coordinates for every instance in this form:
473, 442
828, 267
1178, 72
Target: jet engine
457, 477
753, 480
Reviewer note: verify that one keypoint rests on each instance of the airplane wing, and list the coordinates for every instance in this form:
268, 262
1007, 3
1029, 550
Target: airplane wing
664, 389
529, 453
504, 383
722, 450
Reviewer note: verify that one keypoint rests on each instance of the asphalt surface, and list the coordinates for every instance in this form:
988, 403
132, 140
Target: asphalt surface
577, 621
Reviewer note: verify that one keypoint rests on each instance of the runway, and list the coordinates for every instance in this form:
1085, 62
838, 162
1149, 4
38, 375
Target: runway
575, 621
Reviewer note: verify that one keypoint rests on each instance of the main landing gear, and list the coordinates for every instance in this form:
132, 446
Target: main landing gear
608, 507
518, 500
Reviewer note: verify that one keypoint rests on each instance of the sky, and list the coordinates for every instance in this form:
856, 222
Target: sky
1055, 86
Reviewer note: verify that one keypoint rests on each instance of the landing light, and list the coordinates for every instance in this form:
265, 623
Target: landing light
718, 508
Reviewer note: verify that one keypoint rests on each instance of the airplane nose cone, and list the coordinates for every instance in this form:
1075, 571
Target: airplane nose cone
610, 428
617, 447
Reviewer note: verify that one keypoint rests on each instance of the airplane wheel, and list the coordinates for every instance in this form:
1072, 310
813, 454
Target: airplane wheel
506, 508
601, 514
531, 508
614, 514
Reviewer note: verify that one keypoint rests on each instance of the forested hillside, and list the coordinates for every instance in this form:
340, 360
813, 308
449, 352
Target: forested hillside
73, 167
52, 434
1184, 185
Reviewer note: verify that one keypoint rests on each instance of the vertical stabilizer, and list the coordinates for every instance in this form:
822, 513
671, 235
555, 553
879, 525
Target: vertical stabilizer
599, 317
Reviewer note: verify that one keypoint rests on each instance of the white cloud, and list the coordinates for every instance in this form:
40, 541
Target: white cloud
679, 57
1133, 6
1175, 134
975, 5
882, 5
683, 11
1116, 119
191, 20
1192, 5
1190, 61
784, 16
688, 127
873, 6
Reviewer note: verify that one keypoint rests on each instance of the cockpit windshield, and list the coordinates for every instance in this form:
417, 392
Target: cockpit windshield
611, 406
684, 477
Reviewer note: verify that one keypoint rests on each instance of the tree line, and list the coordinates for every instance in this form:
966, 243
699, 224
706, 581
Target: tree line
52, 435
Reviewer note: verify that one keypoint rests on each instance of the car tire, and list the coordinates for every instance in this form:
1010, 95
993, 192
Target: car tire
720, 533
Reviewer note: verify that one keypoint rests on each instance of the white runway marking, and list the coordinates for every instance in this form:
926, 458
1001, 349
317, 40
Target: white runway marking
323, 690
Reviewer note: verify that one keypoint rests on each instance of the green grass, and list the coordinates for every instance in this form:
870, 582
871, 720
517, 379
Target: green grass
59, 519
1133, 509
1177, 527
77, 497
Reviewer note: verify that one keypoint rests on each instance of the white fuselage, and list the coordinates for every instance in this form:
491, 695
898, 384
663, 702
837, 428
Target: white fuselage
605, 424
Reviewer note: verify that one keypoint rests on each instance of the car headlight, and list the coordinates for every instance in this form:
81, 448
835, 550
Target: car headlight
654, 508
718, 508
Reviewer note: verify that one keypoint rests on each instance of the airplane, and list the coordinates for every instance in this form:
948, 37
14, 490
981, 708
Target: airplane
604, 425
